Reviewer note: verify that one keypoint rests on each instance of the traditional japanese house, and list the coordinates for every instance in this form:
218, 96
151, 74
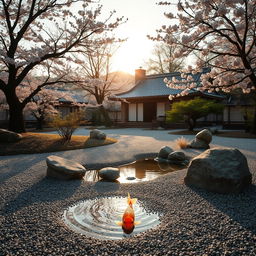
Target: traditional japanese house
149, 100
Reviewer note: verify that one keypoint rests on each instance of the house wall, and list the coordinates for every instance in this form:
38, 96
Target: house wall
115, 116
124, 112
136, 111
140, 112
236, 113
160, 109
234, 116
212, 118
132, 112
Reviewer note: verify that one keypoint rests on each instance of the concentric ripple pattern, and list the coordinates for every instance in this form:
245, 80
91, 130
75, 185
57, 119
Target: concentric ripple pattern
98, 218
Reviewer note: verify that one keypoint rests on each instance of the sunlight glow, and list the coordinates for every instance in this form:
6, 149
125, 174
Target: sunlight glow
131, 55
144, 17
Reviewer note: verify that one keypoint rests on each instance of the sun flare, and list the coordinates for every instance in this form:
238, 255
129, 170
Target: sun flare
131, 55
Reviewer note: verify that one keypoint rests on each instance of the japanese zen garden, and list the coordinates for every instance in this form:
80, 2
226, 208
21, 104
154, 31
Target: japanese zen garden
127, 127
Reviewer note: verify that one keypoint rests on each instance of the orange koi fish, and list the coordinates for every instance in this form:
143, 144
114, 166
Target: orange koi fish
128, 220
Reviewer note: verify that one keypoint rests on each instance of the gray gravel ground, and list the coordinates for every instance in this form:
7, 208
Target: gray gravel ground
193, 222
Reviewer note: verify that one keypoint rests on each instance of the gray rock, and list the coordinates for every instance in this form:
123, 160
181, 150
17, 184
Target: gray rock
219, 170
164, 152
109, 173
97, 134
204, 135
177, 157
8, 136
197, 143
62, 168
131, 178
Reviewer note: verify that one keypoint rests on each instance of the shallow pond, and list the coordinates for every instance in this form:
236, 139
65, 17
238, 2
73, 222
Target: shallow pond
98, 218
140, 170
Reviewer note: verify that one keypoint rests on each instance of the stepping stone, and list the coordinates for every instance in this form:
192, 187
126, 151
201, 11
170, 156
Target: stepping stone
64, 169
164, 152
131, 178
109, 173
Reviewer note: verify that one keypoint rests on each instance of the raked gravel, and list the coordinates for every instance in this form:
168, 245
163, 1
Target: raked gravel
193, 222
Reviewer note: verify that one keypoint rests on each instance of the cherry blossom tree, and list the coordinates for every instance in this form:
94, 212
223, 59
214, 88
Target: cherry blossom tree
94, 70
44, 104
225, 30
37, 36
41, 105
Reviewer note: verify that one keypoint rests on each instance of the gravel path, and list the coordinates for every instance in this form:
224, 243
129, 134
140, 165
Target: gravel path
193, 222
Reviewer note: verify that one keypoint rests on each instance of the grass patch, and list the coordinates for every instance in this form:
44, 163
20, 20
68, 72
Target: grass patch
182, 142
229, 134
42, 143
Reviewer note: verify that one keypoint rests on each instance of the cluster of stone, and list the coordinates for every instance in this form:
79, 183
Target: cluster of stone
8, 136
202, 140
97, 134
167, 155
219, 170
64, 169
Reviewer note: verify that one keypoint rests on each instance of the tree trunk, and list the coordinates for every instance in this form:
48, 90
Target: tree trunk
107, 120
191, 124
39, 123
254, 121
16, 119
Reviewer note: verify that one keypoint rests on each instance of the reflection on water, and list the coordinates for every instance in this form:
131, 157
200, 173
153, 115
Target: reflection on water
141, 170
98, 218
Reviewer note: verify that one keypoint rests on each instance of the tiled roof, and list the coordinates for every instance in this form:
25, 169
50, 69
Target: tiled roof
153, 85
77, 96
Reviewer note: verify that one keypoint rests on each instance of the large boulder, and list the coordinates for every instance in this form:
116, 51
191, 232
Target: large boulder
65, 169
219, 170
97, 134
8, 136
109, 173
198, 144
164, 152
204, 135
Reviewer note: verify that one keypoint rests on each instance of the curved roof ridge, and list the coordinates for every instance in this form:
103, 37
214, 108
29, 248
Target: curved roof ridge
163, 75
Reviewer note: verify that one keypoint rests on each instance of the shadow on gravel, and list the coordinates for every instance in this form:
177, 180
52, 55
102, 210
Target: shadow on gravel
45, 190
12, 169
106, 186
239, 207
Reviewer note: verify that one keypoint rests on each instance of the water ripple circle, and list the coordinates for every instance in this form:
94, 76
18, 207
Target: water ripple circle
97, 218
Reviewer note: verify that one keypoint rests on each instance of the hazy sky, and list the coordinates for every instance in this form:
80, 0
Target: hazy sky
144, 17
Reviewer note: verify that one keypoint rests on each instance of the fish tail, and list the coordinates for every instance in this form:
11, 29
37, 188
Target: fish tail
130, 200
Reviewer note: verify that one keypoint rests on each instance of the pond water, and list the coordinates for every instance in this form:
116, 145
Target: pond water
98, 218
140, 170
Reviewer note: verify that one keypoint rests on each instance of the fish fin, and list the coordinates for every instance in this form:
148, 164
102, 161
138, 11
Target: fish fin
137, 222
119, 223
128, 198
133, 201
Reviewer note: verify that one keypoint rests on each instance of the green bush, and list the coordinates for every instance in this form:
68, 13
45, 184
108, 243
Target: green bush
66, 126
96, 117
249, 117
191, 110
